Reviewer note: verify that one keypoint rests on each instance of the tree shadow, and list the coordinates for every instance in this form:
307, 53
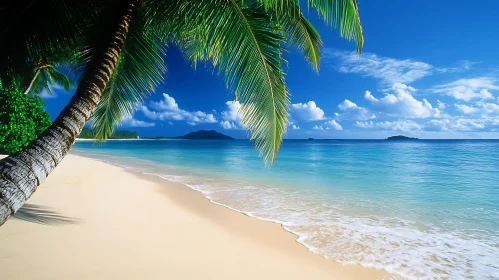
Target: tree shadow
42, 215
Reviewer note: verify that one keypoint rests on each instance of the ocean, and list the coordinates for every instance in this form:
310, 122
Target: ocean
426, 209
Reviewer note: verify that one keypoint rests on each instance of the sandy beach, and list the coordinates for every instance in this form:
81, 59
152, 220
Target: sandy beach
93, 220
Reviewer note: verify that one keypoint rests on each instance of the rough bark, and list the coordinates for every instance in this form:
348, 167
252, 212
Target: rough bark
23, 172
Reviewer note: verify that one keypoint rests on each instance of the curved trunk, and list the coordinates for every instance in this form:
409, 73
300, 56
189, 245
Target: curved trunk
32, 81
22, 172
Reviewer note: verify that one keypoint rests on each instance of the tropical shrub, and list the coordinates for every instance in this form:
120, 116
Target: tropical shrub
22, 119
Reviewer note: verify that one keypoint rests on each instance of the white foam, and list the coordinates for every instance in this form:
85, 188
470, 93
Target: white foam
401, 247
396, 246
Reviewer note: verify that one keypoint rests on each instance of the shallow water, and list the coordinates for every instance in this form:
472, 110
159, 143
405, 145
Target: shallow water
426, 209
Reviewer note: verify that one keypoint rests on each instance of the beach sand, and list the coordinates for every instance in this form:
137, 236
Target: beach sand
93, 220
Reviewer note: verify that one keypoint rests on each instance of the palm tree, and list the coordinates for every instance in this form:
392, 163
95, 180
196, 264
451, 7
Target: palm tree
122, 63
38, 38
47, 75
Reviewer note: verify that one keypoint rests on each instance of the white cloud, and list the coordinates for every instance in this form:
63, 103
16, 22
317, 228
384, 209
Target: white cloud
295, 127
232, 113
485, 109
52, 91
332, 124
354, 112
370, 97
467, 124
437, 125
441, 105
466, 109
168, 109
168, 104
488, 109
318, 127
306, 112
228, 125
131, 122
469, 89
231, 118
46, 95
462, 65
368, 124
447, 125
457, 124
403, 104
388, 70
401, 125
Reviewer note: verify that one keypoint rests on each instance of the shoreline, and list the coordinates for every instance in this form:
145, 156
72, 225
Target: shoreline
264, 250
124, 139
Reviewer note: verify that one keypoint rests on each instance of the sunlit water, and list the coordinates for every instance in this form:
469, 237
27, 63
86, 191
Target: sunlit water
419, 209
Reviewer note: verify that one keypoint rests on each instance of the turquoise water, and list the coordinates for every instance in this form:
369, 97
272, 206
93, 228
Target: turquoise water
426, 209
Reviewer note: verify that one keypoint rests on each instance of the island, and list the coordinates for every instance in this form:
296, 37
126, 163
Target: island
197, 135
205, 135
88, 133
401, 137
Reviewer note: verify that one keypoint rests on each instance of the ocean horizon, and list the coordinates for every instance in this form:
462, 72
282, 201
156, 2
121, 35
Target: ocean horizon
425, 209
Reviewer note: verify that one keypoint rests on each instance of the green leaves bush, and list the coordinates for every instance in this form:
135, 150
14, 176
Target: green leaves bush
22, 119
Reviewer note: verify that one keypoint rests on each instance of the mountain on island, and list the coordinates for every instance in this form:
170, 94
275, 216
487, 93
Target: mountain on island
400, 137
205, 134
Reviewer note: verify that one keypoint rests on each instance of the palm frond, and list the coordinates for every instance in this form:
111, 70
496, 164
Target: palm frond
47, 77
140, 70
46, 30
344, 15
341, 14
46, 82
301, 33
59, 78
39, 84
245, 44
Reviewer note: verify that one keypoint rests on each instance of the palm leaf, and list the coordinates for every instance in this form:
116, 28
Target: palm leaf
59, 78
245, 44
301, 33
344, 15
341, 14
40, 83
140, 70
42, 30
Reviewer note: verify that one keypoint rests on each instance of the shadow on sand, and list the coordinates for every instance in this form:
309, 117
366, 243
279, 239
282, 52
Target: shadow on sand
42, 215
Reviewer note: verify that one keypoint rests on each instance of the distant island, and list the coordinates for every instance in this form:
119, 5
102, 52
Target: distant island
205, 134
401, 137
198, 135
87, 133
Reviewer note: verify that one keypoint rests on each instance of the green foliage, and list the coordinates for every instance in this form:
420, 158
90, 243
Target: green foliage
243, 39
245, 43
22, 119
302, 34
140, 70
124, 134
87, 133
36, 33
47, 76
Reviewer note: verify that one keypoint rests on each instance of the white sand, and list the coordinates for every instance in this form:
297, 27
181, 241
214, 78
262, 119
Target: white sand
109, 223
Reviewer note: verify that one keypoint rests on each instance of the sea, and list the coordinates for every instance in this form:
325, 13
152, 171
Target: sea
425, 209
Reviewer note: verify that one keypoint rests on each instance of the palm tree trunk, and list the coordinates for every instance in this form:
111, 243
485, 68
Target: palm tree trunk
21, 173
32, 81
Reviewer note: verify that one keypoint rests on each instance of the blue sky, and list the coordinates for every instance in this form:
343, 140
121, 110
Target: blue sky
428, 69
